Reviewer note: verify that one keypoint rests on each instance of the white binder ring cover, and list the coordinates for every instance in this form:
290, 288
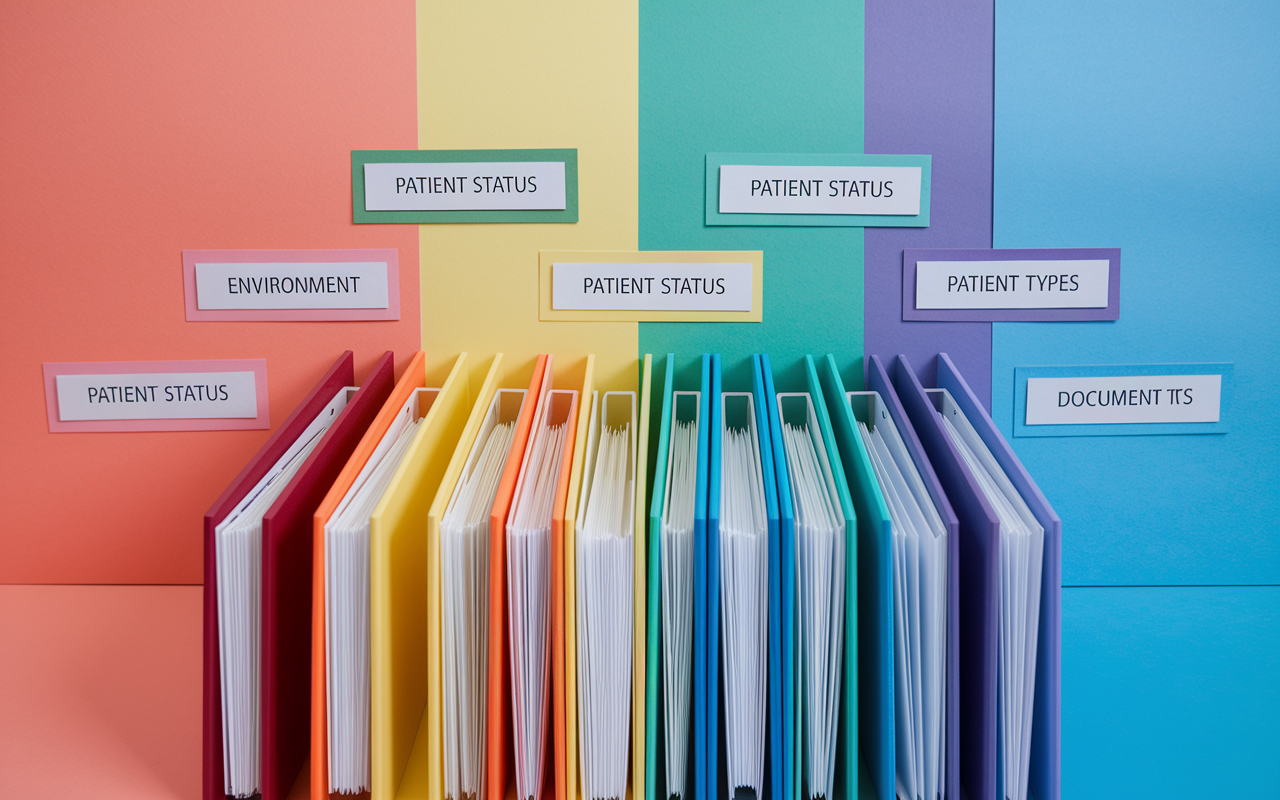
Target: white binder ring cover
464, 558
605, 555
346, 545
529, 585
676, 581
820, 581
744, 594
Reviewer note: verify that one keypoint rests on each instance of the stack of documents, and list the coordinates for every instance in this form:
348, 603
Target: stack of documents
528, 532
346, 562
1020, 559
464, 557
677, 589
238, 543
606, 592
820, 590
919, 542
744, 595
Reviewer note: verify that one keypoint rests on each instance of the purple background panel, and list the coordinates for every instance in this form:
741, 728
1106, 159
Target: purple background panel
930, 89
911, 257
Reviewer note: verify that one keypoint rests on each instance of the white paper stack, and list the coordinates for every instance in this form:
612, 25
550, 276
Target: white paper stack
606, 596
1021, 558
529, 589
744, 594
820, 557
919, 611
464, 568
346, 607
238, 549
677, 587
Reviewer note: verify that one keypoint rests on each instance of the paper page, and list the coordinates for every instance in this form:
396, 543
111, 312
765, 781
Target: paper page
238, 552
744, 594
606, 592
677, 588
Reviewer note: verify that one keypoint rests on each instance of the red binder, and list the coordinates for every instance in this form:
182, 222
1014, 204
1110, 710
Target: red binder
286, 578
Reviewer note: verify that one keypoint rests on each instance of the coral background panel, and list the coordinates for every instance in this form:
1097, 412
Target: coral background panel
132, 131
100, 692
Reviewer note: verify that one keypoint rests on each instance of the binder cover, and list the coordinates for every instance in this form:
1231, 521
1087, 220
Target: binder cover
500, 756
564, 643
638, 638
775, 751
715, 730
703, 725
875, 562
846, 777
654, 734
411, 380
1046, 743
404, 593
786, 585
979, 605
339, 375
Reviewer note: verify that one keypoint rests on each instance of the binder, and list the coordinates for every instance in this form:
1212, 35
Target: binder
412, 380
564, 693
979, 571
684, 399
1046, 742
773, 776
499, 755
875, 597
786, 584
286, 574
405, 592
607, 410
845, 774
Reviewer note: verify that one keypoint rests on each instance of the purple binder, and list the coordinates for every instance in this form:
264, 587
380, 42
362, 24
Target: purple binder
1046, 725
878, 381
979, 587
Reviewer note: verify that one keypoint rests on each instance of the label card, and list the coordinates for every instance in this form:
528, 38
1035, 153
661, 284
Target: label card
156, 395
298, 285
651, 286
425, 186
1119, 400
1077, 284
851, 190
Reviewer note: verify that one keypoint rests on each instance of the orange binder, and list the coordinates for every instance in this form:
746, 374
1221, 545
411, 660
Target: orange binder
500, 756
413, 379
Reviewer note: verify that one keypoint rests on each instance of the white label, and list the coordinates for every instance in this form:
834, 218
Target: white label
157, 395
893, 191
1123, 399
1012, 284
465, 186
613, 286
339, 284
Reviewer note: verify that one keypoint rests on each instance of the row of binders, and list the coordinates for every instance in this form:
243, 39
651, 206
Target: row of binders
708, 588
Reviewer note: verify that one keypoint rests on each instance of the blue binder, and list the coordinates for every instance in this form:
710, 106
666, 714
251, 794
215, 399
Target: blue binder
702, 730
775, 751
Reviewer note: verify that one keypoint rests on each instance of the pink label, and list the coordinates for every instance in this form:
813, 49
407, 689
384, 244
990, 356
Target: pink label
211, 395
291, 285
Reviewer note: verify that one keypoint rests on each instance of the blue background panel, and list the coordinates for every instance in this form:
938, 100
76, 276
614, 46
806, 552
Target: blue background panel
1151, 126
1170, 692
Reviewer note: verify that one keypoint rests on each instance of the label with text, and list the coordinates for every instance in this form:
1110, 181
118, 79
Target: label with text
1012, 284
720, 286
156, 395
341, 284
465, 186
845, 190
1121, 399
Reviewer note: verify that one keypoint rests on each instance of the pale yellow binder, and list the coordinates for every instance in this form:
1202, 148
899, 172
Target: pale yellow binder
404, 585
573, 778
